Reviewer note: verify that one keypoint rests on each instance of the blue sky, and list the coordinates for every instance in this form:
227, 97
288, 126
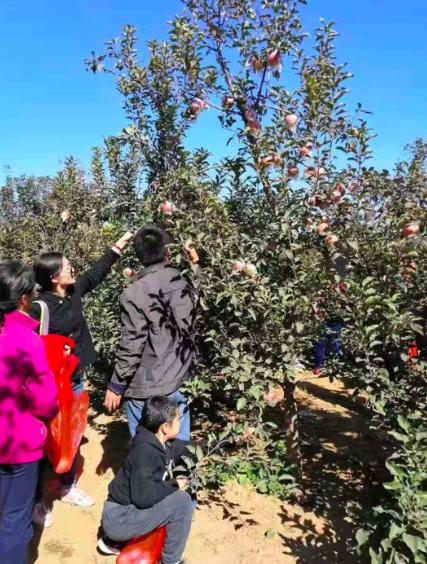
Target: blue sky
50, 107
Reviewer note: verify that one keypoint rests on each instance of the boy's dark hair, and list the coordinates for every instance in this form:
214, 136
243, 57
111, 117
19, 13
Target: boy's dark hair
150, 244
47, 267
158, 410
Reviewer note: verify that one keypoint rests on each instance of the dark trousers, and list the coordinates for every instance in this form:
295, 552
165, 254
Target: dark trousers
330, 344
17, 489
125, 522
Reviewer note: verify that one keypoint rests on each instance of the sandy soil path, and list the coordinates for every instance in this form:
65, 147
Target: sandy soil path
230, 526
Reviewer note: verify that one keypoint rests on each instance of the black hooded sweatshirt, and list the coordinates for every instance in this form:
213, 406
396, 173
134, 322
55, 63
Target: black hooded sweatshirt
145, 477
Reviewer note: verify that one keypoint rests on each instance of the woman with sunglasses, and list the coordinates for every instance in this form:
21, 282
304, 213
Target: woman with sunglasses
62, 292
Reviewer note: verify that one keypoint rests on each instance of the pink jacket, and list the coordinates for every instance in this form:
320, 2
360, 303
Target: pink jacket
28, 391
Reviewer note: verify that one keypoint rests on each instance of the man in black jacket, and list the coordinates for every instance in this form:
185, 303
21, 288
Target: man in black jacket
157, 348
144, 495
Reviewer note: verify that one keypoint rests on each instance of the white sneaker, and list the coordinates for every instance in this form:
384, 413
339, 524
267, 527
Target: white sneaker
76, 497
106, 548
42, 515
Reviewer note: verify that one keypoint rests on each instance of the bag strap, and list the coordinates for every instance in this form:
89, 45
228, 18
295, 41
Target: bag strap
44, 317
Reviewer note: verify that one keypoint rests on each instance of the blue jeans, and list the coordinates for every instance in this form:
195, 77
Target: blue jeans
133, 410
17, 490
330, 343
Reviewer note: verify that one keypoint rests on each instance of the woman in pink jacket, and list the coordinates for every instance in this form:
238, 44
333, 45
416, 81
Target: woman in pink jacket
28, 396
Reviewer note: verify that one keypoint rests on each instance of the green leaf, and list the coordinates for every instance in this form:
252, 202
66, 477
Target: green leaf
375, 557
404, 423
394, 531
395, 470
412, 542
399, 436
392, 486
362, 537
241, 404
270, 534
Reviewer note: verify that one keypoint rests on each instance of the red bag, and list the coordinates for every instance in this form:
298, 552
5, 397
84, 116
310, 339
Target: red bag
144, 550
66, 430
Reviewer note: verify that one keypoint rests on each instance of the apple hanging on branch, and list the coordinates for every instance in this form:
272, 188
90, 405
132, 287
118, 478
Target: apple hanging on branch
291, 121
228, 102
196, 106
293, 171
270, 160
304, 152
167, 207
331, 240
274, 395
274, 59
411, 229
322, 228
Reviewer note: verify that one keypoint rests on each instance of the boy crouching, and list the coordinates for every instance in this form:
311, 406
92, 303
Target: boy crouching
142, 496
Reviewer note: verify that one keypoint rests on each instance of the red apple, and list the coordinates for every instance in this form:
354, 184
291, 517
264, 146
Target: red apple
167, 207
66, 216
250, 115
274, 395
196, 106
238, 266
331, 240
228, 102
249, 434
340, 187
273, 58
291, 121
254, 125
318, 171
293, 171
317, 200
322, 228
411, 229
335, 196
269, 160
304, 151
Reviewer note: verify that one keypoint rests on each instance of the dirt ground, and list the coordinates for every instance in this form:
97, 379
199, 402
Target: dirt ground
341, 462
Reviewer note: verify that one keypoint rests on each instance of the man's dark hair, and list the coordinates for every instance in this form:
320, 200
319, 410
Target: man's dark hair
150, 244
158, 410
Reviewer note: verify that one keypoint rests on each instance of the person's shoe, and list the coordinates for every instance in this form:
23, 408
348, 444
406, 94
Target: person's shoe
76, 497
42, 515
109, 547
316, 371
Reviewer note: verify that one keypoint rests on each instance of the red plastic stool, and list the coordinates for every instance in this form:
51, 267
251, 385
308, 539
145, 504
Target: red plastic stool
144, 550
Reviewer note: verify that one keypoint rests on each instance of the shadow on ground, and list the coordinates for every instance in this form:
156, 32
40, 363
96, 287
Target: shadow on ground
343, 461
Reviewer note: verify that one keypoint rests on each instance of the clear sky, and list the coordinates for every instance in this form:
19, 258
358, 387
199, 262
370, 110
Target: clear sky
50, 107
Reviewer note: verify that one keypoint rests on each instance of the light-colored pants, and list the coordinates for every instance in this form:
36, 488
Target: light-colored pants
122, 523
